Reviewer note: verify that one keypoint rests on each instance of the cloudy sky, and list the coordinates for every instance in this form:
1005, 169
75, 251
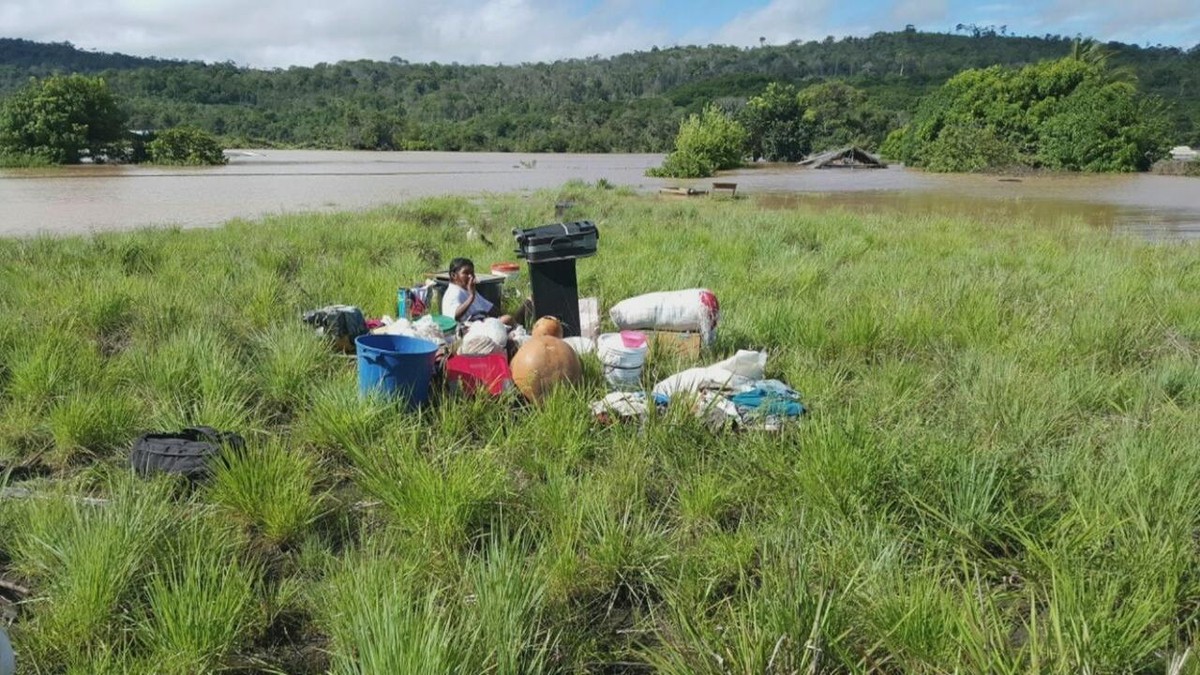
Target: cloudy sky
279, 33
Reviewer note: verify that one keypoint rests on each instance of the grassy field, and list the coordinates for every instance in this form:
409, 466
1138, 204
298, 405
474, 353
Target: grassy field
1000, 474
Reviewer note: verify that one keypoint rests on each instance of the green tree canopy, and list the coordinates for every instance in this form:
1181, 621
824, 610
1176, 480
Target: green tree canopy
840, 115
775, 125
785, 125
1067, 114
706, 143
186, 145
62, 119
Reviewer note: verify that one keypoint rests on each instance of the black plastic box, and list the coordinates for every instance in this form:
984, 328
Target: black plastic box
560, 241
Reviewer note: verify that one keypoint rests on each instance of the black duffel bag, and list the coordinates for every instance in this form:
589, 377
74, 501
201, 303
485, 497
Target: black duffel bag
186, 453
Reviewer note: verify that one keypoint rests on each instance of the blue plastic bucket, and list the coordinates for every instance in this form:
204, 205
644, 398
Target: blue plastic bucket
395, 365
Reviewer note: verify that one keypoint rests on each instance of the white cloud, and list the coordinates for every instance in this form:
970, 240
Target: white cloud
270, 33
778, 21
1174, 22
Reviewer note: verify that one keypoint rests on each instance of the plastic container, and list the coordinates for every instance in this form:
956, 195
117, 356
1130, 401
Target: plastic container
633, 339
8, 661
448, 325
508, 270
402, 303
395, 365
622, 365
469, 374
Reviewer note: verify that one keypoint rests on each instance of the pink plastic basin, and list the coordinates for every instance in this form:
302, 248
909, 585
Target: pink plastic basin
633, 339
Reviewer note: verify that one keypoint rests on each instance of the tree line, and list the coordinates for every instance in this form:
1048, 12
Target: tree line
65, 119
1076, 113
628, 103
1071, 114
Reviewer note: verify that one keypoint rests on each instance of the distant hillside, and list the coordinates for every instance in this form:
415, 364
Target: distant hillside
26, 57
630, 102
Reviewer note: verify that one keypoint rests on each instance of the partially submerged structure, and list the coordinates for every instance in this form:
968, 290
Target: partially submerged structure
852, 157
681, 191
1183, 153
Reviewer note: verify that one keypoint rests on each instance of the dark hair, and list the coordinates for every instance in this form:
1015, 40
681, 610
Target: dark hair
459, 263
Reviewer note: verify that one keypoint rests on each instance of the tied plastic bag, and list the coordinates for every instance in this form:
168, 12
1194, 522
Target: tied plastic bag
695, 309
519, 336
493, 328
478, 344
483, 338
734, 372
427, 328
397, 327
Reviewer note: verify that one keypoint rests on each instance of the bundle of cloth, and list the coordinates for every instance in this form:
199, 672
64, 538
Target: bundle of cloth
733, 393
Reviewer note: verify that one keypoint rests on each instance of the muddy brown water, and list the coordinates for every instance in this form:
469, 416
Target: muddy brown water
257, 183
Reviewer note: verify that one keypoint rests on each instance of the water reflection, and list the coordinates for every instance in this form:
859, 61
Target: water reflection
1154, 207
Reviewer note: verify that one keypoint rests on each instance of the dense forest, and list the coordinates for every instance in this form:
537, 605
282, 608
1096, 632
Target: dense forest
626, 103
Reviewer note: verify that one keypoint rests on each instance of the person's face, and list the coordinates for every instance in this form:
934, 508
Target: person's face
464, 275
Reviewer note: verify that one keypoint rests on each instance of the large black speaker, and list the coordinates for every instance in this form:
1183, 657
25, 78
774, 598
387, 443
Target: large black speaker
556, 293
551, 251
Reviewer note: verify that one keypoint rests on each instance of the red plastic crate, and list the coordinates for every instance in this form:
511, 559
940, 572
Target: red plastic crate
468, 373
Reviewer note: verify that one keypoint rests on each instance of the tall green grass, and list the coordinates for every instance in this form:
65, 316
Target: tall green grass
202, 602
386, 615
998, 474
270, 489
86, 561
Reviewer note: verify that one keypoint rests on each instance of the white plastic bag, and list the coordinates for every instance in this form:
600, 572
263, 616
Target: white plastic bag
483, 338
736, 371
493, 328
519, 336
427, 329
397, 327
695, 309
745, 363
621, 405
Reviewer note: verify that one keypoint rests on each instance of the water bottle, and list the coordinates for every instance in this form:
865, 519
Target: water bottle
402, 303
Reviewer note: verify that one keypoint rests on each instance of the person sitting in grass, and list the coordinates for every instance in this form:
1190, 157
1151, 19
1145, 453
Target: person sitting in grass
464, 304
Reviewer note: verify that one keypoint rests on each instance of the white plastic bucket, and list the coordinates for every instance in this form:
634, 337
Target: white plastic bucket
622, 365
8, 661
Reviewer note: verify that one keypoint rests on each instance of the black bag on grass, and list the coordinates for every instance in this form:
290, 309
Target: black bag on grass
186, 453
341, 323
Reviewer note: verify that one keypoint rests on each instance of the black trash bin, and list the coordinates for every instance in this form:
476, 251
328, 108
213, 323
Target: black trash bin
551, 252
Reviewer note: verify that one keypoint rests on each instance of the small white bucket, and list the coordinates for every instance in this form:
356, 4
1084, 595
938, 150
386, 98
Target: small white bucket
622, 365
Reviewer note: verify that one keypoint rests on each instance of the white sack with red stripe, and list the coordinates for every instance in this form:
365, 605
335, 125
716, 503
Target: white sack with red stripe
692, 310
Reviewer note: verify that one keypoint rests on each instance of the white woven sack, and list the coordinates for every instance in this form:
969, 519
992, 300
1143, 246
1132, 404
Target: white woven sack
694, 310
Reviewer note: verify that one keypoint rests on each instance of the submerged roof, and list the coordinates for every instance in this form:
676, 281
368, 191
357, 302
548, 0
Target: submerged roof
852, 157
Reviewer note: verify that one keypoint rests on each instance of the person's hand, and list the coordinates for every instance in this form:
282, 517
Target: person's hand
471, 283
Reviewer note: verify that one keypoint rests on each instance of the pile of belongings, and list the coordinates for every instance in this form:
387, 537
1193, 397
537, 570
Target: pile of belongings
433, 328
729, 394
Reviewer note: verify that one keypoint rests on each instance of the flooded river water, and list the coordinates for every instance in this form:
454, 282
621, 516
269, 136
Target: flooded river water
255, 183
